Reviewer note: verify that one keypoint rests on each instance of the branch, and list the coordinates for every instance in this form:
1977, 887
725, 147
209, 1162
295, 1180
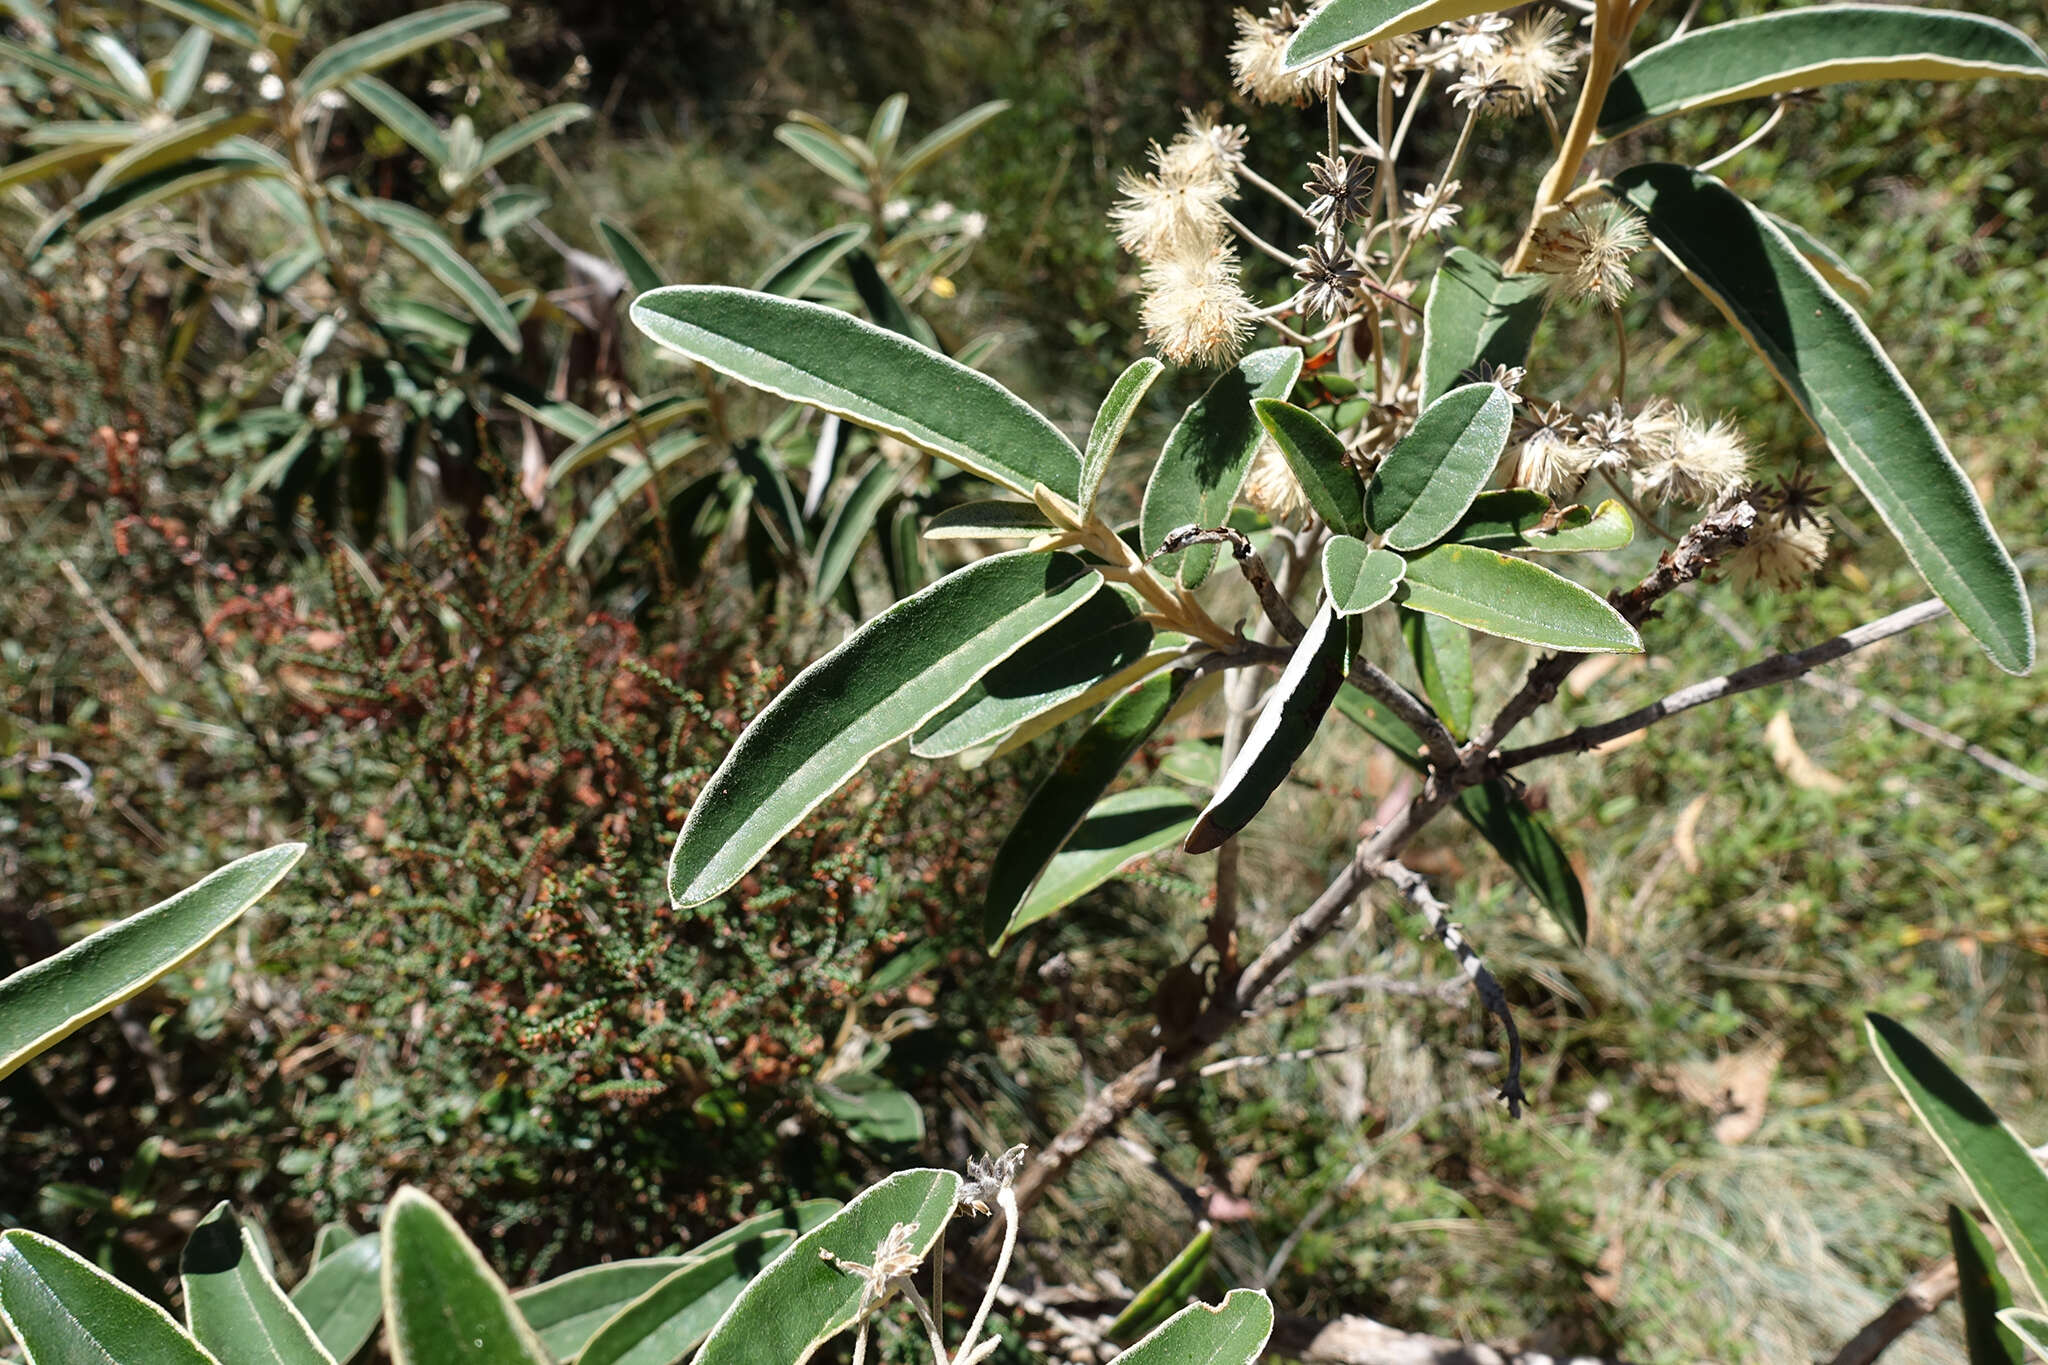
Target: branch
1414, 887
1248, 562
1776, 669
1921, 1297
1369, 678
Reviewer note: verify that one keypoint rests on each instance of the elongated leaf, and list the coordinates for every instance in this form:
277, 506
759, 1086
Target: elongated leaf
1207, 455
991, 520
1358, 577
1111, 418
183, 68
1832, 265
86, 218
1430, 477
1166, 1291
1121, 829
233, 1306
1810, 46
1500, 518
55, 161
942, 140
1579, 530
1316, 455
632, 257
642, 424
1513, 598
666, 1323
1167, 650
1476, 314
2009, 1185
445, 1303
773, 498
342, 1296
81, 78
387, 42
797, 1218
331, 1238
851, 521
528, 131
802, 1300
1343, 25
884, 309
2029, 1327
66, 1311
402, 117
816, 355
177, 143
1841, 378
48, 1000
421, 238
626, 487
1062, 801
507, 208
222, 19
1500, 815
1442, 654
806, 262
825, 153
887, 678
569, 1310
1285, 727
874, 1112
887, 125
1982, 1294
1232, 1333
122, 65
1098, 641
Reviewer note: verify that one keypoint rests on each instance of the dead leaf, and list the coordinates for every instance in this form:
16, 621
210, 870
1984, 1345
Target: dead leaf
1794, 762
1735, 1087
1686, 837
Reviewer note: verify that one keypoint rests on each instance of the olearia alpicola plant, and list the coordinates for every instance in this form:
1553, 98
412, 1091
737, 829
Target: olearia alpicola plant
1402, 448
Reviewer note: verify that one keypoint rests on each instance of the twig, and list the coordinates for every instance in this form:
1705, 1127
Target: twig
1925, 1293
1369, 678
146, 669
1248, 562
1776, 669
1416, 889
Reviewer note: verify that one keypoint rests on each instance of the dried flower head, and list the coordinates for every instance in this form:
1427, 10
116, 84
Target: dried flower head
1340, 190
1508, 378
988, 1176
1796, 499
1781, 554
1258, 59
1330, 279
1537, 56
1161, 215
1205, 151
893, 1260
1431, 210
1702, 464
1551, 459
1195, 310
1469, 44
1272, 487
1588, 250
1484, 91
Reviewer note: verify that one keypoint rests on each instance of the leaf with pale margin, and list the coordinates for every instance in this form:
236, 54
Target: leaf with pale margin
2030, 1327
1111, 418
342, 1296
1833, 367
1121, 829
48, 1000
233, 1306
1982, 1293
401, 116
668, 1320
1232, 1333
884, 681
811, 354
62, 1309
387, 42
1358, 577
1441, 651
445, 1304
1316, 455
1502, 595
1164, 1292
805, 263
1476, 314
1430, 477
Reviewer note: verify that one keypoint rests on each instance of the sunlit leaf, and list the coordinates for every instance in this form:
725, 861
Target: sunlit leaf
1207, 456
1232, 1333
1316, 455
1430, 477
1475, 314
1442, 653
387, 42
445, 1304
1115, 414
1166, 1291
1358, 577
1502, 595
942, 140
401, 116
806, 262
342, 1296
64, 1310
421, 238
232, 1304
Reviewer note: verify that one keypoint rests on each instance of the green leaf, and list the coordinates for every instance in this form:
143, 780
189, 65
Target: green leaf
1316, 455
669, 1319
1500, 517
2002, 1174
81, 78
640, 425
1982, 1294
1102, 638
1232, 1333
421, 238
816, 355
1207, 455
641, 272
183, 68
122, 66
873, 1111
219, 17
331, 1238
1286, 725
1835, 370
806, 262
1117, 409
1062, 801
1808, 47
2029, 1327
86, 218
179, 142
824, 151
852, 519
992, 520
1579, 530
509, 206
773, 498
342, 1296
1476, 314
1832, 265
802, 1300
445, 1305
530, 130
64, 1310
797, 1218
884, 309
387, 42
567, 1311
1167, 1290
233, 1306
1513, 598
1121, 829
47, 1000
887, 125
401, 116
1430, 477
1358, 577
626, 487
942, 140
55, 161
886, 679
1500, 815
1442, 654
